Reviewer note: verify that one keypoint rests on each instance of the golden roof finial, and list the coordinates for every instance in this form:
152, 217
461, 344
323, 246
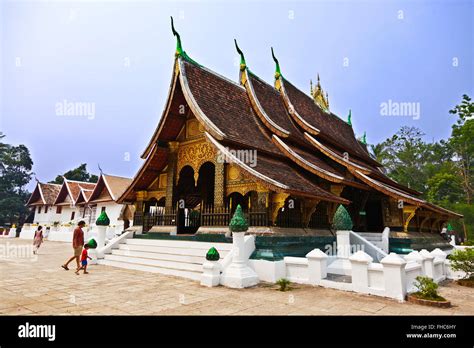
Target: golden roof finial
319, 97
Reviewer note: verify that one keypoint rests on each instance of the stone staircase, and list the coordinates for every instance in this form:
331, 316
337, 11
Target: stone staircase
373, 237
172, 257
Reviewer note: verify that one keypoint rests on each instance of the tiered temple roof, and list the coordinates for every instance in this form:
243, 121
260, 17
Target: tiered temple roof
297, 140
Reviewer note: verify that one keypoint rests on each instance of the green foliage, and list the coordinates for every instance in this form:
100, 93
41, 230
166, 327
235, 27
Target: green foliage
405, 157
284, 284
15, 172
342, 220
103, 219
463, 260
239, 222
443, 171
212, 255
444, 188
462, 144
92, 243
78, 174
468, 221
427, 289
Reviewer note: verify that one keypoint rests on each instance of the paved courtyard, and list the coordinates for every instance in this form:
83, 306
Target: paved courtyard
38, 285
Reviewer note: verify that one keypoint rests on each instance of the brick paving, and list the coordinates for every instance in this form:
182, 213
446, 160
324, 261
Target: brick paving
38, 286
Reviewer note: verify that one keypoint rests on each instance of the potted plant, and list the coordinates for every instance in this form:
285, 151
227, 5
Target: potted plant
427, 294
463, 260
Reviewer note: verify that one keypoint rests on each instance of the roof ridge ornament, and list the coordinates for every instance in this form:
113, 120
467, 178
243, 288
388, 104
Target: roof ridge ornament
364, 138
349, 118
277, 66
179, 47
243, 65
320, 97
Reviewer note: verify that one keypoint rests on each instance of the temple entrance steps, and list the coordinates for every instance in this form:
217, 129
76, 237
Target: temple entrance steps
373, 237
171, 257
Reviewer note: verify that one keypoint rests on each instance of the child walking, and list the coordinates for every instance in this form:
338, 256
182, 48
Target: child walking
84, 257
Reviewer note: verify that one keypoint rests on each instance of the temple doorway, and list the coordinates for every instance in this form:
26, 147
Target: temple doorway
374, 216
192, 196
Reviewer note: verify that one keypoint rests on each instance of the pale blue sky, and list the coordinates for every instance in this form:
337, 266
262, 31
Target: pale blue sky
79, 51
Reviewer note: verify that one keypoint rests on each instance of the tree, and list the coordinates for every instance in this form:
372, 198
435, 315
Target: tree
78, 174
15, 172
462, 144
405, 157
444, 188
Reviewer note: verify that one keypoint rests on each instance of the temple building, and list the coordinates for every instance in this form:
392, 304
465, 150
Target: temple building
275, 150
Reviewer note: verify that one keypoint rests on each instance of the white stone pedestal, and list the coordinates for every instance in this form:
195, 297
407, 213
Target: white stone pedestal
100, 239
239, 274
12, 232
211, 273
343, 244
93, 255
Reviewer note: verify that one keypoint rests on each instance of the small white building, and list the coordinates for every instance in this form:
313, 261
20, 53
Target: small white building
104, 198
58, 208
42, 202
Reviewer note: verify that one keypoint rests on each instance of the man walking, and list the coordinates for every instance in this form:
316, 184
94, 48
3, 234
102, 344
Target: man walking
77, 244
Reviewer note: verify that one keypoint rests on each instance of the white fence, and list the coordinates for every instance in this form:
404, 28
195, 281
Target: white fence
64, 233
393, 277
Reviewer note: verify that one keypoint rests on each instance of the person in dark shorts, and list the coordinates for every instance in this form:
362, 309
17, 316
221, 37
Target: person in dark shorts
77, 243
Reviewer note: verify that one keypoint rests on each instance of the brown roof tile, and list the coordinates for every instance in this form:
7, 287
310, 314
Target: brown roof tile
332, 128
44, 193
226, 104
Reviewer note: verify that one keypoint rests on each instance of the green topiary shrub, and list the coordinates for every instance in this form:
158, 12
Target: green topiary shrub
284, 284
427, 289
239, 222
342, 220
212, 255
103, 220
92, 243
463, 260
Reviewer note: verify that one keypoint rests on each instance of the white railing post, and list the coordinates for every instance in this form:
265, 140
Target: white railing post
360, 274
428, 263
394, 275
211, 273
416, 257
239, 274
453, 241
439, 253
439, 263
317, 266
386, 239
343, 244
